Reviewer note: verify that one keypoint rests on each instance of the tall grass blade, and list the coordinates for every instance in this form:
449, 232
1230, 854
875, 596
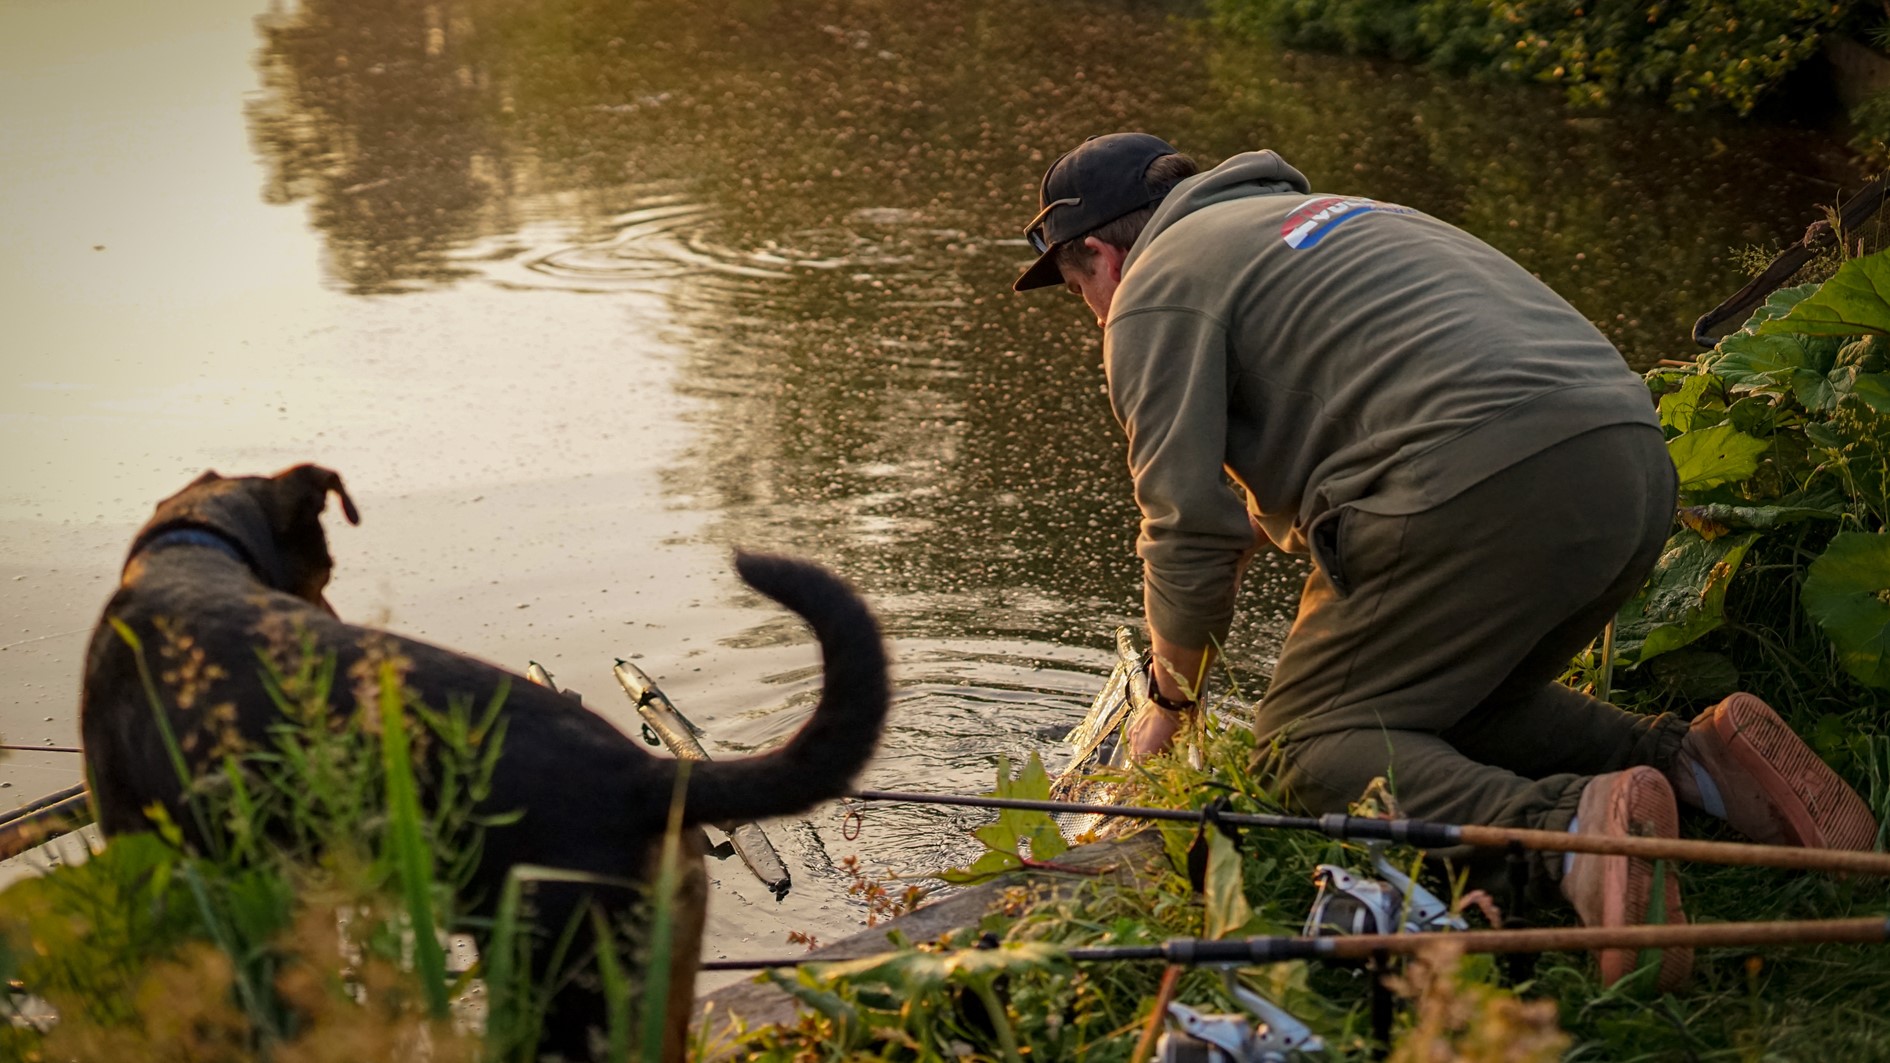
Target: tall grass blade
254, 1001
171, 747
514, 1008
662, 934
610, 971
413, 860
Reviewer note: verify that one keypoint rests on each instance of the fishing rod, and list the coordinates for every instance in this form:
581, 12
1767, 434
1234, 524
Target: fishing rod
1425, 834
45, 819
1861, 930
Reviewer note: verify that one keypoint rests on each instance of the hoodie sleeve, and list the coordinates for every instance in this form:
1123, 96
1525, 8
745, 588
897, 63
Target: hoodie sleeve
1168, 383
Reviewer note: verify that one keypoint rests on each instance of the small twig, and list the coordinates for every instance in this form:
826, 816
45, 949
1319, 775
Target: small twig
1171, 977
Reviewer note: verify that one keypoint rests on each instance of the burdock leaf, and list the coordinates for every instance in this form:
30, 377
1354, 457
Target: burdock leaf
1854, 302
1718, 518
1847, 591
1873, 389
1778, 304
1713, 456
1692, 405
1749, 362
1683, 599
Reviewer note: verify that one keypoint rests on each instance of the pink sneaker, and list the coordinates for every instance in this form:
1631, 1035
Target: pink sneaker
1617, 890
1742, 763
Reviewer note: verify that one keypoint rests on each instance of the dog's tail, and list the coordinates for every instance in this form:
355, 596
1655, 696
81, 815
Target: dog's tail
820, 761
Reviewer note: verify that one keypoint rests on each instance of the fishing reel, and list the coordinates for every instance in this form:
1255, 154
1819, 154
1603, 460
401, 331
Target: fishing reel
1391, 904
1267, 1034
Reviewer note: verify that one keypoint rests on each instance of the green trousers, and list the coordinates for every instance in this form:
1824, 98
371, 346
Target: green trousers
1426, 646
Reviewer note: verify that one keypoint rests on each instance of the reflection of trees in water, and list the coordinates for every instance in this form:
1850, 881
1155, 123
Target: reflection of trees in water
891, 406
376, 115
904, 414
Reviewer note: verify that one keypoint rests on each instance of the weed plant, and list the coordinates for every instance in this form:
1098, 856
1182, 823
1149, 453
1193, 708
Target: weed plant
304, 916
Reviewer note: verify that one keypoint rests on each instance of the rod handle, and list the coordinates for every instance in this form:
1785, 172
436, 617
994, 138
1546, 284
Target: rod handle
1743, 854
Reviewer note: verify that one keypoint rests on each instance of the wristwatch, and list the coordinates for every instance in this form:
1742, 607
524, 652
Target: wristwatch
1155, 695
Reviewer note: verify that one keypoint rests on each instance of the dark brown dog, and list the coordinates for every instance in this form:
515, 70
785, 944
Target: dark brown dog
231, 568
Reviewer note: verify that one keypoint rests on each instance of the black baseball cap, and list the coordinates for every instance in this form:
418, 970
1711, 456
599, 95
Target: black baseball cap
1091, 185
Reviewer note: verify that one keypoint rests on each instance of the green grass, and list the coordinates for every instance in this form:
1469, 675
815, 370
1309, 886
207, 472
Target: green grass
309, 923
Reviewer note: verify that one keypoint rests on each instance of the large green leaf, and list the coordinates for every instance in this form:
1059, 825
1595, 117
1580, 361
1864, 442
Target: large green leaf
1780, 364
1750, 362
1778, 304
1226, 900
1854, 302
1873, 389
1717, 519
1713, 456
1692, 405
1847, 590
1683, 599
1015, 832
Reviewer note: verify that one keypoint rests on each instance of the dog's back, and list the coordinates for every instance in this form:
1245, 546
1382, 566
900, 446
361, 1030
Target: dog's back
226, 581
207, 618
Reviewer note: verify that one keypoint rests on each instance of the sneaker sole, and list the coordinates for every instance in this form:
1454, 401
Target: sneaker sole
1822, 812
1651, 813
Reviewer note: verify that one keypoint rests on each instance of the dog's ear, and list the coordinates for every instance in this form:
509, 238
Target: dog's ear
209, 476
310, 485
297, 497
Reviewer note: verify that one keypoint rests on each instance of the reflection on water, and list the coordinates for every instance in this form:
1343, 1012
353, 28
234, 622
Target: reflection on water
825, 196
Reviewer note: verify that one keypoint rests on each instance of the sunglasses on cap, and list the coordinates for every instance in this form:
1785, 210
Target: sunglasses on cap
1034, 232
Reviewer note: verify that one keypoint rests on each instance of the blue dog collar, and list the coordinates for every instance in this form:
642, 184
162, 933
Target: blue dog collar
194, 537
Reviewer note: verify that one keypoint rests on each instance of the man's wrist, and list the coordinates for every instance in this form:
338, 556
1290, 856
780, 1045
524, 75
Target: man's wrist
1155, 695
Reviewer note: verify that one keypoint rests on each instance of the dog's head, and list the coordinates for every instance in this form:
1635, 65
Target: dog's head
274, 522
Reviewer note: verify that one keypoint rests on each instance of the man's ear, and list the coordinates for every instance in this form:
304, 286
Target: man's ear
1108, 256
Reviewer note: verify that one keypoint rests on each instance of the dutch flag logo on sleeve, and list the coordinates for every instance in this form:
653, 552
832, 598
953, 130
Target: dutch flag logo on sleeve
1312, 220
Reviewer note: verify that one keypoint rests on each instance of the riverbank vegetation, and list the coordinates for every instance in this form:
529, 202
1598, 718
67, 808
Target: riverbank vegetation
1737, 55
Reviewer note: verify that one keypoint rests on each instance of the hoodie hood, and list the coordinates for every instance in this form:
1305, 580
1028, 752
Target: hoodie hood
1251, 173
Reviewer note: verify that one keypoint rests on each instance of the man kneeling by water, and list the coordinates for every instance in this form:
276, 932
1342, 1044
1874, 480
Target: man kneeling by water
1480, 480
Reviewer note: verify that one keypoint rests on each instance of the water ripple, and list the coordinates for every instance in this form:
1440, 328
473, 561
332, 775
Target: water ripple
668, 239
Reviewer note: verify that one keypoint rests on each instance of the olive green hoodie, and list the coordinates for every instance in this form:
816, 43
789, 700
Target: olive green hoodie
1325, 351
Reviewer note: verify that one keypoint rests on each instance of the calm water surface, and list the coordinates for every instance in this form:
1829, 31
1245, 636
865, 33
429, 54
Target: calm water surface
579, 295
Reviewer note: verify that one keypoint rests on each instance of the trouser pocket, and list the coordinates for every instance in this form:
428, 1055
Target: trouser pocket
1325, 539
